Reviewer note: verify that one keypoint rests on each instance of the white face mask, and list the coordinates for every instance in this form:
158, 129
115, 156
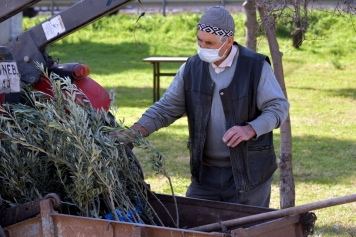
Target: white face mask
210, 55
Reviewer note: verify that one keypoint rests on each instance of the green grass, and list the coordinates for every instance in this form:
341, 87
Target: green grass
321, 85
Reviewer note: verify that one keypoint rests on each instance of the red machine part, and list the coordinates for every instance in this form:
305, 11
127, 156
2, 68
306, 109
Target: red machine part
96, 94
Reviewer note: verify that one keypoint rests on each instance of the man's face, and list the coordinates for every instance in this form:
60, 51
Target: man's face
211, 41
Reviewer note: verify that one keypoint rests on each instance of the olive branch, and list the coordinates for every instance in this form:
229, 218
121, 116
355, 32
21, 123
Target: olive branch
62, 144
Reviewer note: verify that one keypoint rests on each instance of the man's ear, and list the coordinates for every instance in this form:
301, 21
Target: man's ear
230, 40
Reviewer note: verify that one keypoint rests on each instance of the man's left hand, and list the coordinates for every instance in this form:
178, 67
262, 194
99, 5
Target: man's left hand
237, 134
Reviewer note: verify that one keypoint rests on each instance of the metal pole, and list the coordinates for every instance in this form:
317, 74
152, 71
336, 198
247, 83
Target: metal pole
52, 7
277, 214
164, 7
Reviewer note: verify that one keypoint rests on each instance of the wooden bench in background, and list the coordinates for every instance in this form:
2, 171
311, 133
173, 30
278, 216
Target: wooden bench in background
157, 73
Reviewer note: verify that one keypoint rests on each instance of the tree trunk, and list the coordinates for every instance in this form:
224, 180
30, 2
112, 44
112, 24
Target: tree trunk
287, 189
297, 34
251, 24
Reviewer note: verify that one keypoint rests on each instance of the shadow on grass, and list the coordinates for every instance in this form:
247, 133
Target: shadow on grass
343, 92
105, 59
322, 160
113, 59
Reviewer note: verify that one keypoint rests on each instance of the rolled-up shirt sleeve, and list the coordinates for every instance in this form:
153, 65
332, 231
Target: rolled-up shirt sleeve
271, 101
169, 108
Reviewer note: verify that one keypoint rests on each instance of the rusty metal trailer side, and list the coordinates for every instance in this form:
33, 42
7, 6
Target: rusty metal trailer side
192, 212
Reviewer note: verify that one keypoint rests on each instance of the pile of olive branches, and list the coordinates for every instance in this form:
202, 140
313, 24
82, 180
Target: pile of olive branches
62, 145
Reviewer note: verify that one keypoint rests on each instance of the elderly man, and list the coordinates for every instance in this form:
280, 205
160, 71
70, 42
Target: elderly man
233, 102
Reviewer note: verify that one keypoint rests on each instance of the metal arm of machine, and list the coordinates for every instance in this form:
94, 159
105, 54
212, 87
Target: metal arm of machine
30, 45
10, 8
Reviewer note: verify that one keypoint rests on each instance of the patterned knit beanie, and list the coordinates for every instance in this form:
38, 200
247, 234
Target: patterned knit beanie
217, 20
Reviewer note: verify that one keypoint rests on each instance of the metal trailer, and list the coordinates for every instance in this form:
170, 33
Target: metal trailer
197, 218
40, 218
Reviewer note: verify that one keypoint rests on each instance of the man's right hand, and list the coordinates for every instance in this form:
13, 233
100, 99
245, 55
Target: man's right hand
139, 128
125, 135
